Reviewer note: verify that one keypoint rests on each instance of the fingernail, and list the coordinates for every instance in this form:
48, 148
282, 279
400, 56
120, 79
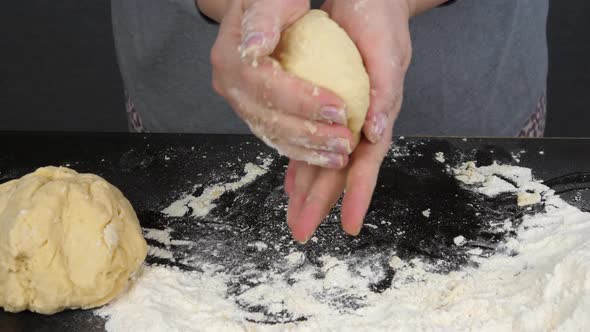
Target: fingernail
252, 40
333, 114
340, 145
304, 241
357, 231
378, 127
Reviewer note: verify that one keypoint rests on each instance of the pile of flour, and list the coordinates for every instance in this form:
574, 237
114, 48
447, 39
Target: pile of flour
537, 281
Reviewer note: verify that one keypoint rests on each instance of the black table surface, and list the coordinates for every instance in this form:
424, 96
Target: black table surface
154, 170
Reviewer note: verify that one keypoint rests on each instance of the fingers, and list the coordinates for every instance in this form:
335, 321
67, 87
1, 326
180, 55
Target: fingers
262, 23
301, 121
382, 111
386, 77
386, 65
321, 196
312, 157
290, 176
280, 90
380, 30
302, 182
361, 180
278, 128
327, 5
314, 191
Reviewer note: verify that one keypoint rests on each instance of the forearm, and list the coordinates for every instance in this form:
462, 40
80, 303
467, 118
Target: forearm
214, 9
420, 6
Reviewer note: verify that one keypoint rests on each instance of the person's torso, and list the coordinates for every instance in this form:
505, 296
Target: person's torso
479, 67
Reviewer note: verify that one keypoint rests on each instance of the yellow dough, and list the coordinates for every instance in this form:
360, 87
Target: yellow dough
316, 49
67, 240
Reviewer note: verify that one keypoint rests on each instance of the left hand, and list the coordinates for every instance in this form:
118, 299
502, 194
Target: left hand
380, 29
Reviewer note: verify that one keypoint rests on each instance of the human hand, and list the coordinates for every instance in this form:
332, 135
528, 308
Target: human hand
300, 120
380, 29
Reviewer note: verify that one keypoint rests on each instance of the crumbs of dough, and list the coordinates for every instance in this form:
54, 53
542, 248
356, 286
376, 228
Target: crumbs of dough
316, 91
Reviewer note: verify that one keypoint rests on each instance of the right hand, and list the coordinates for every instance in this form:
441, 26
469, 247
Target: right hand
300, 120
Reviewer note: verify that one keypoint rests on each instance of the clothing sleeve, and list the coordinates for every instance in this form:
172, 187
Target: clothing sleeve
191, 7
450, 2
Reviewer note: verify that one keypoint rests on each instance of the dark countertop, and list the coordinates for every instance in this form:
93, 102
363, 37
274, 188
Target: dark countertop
153, 170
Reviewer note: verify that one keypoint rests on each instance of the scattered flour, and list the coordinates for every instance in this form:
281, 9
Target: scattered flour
525, 198
495, 179
203, 204
459, 240
295, 258
161, 236
259, 245
440, 157
426, 213
160, 253
476, 251
539, 281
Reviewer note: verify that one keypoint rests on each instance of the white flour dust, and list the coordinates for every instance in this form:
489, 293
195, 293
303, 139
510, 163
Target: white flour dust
203, 204
160, 253
163, 237
537, 281
495, 179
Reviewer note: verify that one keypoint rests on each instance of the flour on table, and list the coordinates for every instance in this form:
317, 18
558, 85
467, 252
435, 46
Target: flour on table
538, 280
259, 245
525, 198
160, 253
459, 240
495, 179
161, 236
203, 204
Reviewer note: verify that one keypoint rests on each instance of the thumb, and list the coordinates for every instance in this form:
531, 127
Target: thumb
262, 23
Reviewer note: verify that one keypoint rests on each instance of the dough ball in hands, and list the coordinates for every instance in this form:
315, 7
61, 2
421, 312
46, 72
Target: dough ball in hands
67, 240
317, 49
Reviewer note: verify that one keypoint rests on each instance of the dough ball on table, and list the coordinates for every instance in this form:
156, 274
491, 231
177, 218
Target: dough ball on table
317, 49
67, 240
